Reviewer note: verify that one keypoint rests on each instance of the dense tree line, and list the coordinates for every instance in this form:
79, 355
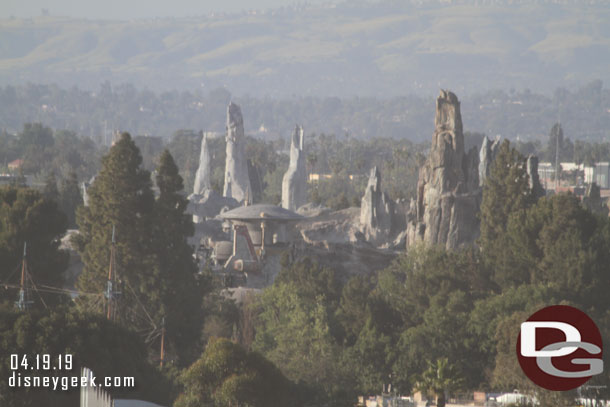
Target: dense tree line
513, 114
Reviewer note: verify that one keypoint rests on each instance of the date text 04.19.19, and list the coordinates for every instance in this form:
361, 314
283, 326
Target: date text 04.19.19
41, 362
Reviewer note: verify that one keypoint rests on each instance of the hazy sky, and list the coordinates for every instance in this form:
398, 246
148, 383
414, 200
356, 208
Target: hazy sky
127, 9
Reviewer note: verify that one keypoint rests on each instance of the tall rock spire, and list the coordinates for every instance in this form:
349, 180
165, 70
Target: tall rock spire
202, 177
448, 193
376, 211
294, 183
237, 181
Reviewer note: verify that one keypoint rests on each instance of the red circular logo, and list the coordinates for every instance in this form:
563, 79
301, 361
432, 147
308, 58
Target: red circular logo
560, 348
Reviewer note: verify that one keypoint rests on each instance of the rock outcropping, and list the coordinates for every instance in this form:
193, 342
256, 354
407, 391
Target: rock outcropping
202, 177
237, 181
487, 155
376, 211
448, 192
294, 183
532, 172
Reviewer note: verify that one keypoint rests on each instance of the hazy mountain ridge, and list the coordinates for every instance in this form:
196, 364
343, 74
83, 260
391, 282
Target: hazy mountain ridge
362, 49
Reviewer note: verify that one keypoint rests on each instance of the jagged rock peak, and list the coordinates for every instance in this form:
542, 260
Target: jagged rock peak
294, 183
203, 175
237, 180
487, 155
376, 211
448, 193
534, 179
448, 121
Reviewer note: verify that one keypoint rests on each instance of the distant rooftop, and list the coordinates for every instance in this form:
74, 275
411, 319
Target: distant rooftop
261, 211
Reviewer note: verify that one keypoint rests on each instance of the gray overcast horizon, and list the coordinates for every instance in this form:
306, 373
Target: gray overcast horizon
134, 9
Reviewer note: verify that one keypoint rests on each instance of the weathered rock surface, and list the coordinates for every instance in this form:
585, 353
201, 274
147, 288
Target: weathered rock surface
237, 181
203, 174
331, 227
294, 183
487, 155
448, 192
376, 211
534, 179
208, 205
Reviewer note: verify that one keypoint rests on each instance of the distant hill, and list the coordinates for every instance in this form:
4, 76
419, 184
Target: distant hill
354, 48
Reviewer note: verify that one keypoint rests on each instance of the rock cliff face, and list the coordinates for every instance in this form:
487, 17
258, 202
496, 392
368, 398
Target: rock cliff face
237, 181
294, 183
202, 177
448, 192
376, 211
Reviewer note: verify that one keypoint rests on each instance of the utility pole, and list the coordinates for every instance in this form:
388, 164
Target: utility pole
162, 342
22, 302
111, 294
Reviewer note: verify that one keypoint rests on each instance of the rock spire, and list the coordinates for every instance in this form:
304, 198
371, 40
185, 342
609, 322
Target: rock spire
294, 183
202, 177
448, 193
376, 211
237, 181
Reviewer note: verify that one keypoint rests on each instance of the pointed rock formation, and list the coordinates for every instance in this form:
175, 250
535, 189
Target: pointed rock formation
376, 211
487, 156
202, 177
237, 181
532, 172
448, 193
294, 183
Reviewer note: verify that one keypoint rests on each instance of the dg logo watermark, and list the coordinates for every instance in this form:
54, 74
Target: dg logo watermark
560, 348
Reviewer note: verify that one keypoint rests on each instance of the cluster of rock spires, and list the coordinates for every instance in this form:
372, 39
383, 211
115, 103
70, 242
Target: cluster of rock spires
294, 183
237, 180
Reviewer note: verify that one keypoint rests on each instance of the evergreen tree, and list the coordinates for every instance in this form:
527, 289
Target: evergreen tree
121, 197
506, 194
50, 190
70, 197
181, 292
26, 216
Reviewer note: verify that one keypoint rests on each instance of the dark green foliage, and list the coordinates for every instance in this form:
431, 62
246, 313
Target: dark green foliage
26, 216
104, 347
228, 375
70, 197
181, 291
121, 197
506, 194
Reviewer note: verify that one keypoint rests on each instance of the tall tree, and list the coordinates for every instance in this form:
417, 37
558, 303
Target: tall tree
70, 197
26, 216
506, 194
121, 198
181, 291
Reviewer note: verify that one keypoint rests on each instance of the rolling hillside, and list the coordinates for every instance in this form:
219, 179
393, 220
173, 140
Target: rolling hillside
348, 49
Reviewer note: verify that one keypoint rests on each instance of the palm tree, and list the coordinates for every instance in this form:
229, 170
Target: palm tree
439, 379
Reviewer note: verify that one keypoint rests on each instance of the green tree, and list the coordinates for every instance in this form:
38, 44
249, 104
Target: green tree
506, 194
121, 197
181, 291
70, 197
27, 217
440, 378
228, 375
106, 348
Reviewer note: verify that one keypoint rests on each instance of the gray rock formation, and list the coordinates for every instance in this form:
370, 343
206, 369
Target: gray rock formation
237, 181
448, 192
294, 183
487, 156
376, 211
534, 179
208, 205
202, 177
